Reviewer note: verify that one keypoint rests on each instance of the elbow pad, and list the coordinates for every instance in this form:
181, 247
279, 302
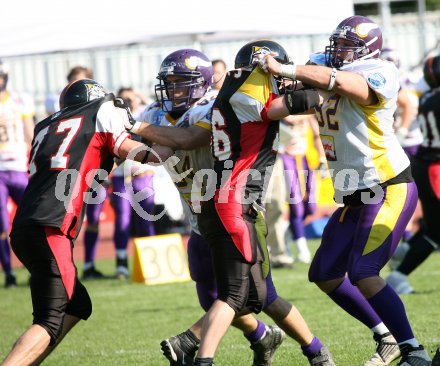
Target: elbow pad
298, 101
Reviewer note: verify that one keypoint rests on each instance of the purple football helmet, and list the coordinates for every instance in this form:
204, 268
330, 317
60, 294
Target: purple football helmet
195, 67
363, 32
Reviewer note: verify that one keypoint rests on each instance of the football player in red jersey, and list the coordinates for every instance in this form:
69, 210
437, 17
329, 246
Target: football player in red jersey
69, 149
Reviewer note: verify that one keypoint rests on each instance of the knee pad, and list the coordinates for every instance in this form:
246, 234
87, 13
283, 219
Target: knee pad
279, 309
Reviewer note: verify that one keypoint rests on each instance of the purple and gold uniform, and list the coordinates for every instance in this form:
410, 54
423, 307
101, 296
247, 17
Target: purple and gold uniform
371, 176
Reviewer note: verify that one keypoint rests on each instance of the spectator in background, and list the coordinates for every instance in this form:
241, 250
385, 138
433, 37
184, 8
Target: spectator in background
299, 176
219, 69
16, 131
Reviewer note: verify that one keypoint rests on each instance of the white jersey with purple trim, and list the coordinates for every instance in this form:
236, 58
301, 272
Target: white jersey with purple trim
190, 161
359, 141
14, 111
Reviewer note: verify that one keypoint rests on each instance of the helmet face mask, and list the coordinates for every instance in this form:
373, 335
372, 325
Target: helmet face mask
81, 91
184, 77
355, 38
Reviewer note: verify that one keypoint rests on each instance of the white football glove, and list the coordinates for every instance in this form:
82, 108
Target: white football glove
130, 124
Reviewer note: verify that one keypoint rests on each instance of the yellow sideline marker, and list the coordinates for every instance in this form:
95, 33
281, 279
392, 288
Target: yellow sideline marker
160, 259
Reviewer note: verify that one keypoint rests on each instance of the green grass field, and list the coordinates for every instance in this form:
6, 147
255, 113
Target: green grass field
129, 320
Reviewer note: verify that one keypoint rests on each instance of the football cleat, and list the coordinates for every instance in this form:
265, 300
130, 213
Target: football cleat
181, 349
264, 349
10, 281
436, 359
322, 358
92, 274
399, 282
387, 350
414, 356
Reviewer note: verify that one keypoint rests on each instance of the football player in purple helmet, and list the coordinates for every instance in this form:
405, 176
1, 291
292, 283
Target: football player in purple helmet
355, 38
184, 77
372, 179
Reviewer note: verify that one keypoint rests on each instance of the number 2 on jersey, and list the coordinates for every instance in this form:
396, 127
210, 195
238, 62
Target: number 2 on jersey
60, 159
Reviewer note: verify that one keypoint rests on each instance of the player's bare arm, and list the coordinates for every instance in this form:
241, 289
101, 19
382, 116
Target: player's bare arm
176, 138
137, 151
346, 83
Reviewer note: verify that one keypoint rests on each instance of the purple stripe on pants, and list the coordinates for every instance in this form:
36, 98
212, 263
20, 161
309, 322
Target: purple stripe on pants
347, 235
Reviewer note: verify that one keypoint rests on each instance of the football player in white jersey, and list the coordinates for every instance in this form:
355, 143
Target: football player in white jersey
182, 74
372, 178
16, 130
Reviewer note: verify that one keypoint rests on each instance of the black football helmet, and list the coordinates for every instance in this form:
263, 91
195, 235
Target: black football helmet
246, 55
81, 91
431, 71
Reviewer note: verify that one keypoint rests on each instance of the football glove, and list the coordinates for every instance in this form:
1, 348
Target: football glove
131, 125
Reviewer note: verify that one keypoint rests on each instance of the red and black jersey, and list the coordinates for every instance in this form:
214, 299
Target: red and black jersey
68, 149
429, 118
244, 140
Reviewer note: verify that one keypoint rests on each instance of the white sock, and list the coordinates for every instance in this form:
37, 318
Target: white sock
121, 254
301, 244
380, 329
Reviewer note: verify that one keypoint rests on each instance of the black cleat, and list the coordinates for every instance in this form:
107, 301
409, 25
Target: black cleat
322, 358
10, 281
436, 359
181, 349
414, 356
265, 348
92, 274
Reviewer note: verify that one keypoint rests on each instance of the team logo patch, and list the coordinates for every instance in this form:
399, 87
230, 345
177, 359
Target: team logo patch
95, 91
257, 51
363, 29
377, 80
194, 62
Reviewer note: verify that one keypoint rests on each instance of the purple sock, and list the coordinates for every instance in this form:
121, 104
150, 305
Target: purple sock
5, 256
313, 348
90, 243
392, 311
349, 298
256, 335
297, 227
